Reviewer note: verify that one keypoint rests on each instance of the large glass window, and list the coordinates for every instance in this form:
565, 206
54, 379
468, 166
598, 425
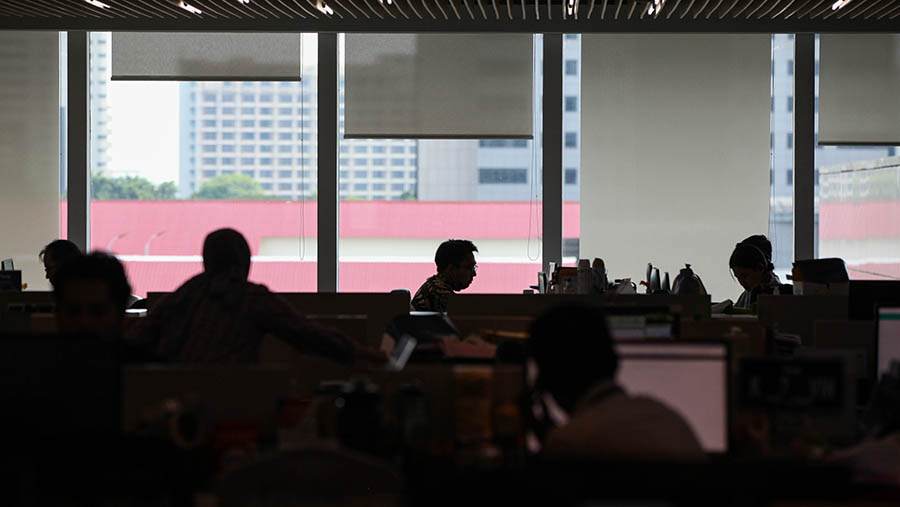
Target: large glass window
571, 154
391, 222
154, 199
781, 179
858, 206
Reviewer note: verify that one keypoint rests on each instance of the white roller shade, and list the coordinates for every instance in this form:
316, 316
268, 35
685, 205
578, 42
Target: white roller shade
205, 56
859, 89
29, 149
675, 151
439, 85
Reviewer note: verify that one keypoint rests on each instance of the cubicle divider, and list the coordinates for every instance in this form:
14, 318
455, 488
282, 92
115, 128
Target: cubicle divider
341, 310
379, 308
687, 307
797, 314
745, 336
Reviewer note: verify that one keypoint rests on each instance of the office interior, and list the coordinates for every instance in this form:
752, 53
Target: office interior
638, 132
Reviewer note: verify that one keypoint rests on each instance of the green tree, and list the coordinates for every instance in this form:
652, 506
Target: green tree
129, 188
231, 187
409, 195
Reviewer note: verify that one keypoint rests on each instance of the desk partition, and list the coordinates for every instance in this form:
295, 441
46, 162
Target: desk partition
687, 307
798, 314
379, 308
334, 309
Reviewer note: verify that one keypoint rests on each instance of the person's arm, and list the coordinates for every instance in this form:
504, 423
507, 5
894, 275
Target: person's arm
276, 316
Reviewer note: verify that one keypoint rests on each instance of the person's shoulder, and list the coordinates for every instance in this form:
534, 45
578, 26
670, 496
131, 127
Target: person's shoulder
258, 288
439, 285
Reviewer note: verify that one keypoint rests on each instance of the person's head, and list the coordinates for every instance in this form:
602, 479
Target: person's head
56, 254
91, 295
455, 262
751, 260
573, 351
226, 252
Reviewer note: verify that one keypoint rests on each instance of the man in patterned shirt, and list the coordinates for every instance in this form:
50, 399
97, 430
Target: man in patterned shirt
456, 268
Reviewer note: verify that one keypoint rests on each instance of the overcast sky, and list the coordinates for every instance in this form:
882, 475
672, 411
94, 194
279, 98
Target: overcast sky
144, 128
144, 123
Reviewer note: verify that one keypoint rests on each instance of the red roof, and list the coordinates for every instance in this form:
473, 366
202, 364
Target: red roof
354, 276
128, 225
859, 220
186, 223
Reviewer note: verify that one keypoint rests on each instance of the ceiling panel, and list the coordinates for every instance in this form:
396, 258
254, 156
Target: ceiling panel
777, 16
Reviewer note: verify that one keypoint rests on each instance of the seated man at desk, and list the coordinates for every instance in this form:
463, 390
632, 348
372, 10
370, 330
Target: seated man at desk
751, 263
455, 260
575, 364
55, 254
219, 316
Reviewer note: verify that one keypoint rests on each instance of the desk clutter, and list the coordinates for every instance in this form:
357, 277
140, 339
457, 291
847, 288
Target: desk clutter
801, 382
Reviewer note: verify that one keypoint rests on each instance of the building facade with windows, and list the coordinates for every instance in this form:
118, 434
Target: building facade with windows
268, 131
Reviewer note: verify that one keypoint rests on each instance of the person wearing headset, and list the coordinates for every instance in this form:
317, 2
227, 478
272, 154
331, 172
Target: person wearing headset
751, 263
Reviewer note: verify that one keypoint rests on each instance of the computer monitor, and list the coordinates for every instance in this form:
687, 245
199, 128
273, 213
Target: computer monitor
6, 265
888, 346
691, 378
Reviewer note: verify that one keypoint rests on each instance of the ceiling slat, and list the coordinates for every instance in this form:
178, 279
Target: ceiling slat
631, 12
714, 9
853, 8
701, 9
295, 11
744, 8
675, 8
408, 15
721, 16
882, 10
758, 7
770, 9
874, 4
797, 8
136, 9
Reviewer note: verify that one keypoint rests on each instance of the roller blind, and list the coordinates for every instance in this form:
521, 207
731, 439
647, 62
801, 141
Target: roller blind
675, 151
859, 79
29, 148
439, 85
205, 56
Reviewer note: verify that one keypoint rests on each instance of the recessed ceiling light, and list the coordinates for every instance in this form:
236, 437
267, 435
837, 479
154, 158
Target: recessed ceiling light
190, 8
97, 3
839, 4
